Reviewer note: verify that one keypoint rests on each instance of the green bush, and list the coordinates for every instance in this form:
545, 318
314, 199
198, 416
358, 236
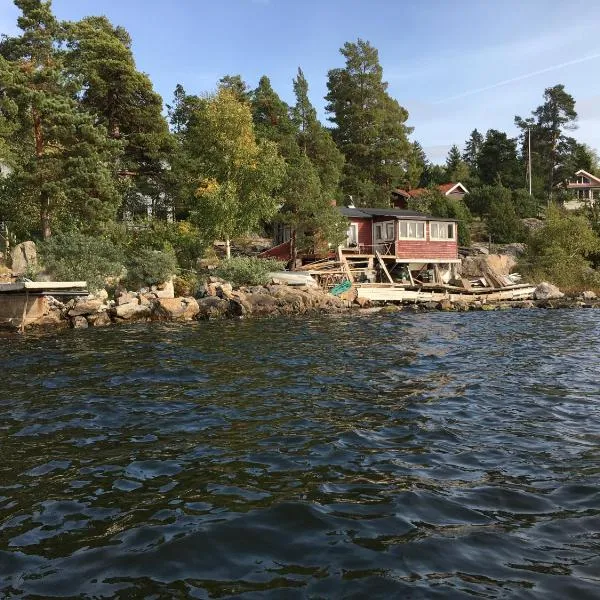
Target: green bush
146, 266
247, 270
503, 224
561, 252
77, 257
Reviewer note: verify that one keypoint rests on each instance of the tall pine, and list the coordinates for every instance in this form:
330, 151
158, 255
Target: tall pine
65, 161
370, 127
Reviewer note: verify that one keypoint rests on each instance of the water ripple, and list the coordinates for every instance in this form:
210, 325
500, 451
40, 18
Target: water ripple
423, 456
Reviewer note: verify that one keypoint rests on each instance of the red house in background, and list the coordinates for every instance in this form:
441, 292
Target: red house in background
452, 190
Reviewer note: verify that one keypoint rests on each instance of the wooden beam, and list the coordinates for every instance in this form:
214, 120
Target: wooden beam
383, 266
345, 266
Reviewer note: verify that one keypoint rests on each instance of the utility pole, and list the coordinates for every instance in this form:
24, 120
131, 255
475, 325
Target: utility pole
529, 157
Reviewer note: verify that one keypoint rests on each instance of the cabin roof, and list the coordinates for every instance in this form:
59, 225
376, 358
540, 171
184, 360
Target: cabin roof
396, 213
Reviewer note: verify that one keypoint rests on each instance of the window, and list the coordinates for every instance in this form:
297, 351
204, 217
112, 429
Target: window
583, 180
352, 236
412, 230
442, 231
384, 232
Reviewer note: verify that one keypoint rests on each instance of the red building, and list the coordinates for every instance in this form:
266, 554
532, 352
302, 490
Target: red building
404, 235
400, 197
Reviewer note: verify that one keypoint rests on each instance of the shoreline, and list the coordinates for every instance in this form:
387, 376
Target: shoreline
222, 302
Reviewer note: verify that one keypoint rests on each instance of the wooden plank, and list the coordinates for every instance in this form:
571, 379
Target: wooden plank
344, 262
383, 266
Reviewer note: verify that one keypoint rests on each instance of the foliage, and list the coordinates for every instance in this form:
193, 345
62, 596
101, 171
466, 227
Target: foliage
456, 168
242, 270
231, 176
74, 256
562, 250
550, 146
147, 266
472, 150
369, 128
187, 241
498, 162
503, 223
436, 204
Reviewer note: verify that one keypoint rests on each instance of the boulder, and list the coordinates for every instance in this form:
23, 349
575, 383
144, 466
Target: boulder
166, 289
126, 298
23, 257
224, 290
261, 304
176, 309
101, 319
445, 304
132, 312
362, 302
212, 307
588, 295
547, 291
86, 306
79, 322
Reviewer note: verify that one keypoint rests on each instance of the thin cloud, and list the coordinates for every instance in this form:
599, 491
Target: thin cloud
493, 86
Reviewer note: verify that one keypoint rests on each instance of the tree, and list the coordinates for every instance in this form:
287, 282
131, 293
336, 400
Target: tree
456, 168
417, 168
237, 85
503, 223
316, 141
122, 99
369, 128
562, 251
498, 162
231, 176
472, 149
65, 160
547, 124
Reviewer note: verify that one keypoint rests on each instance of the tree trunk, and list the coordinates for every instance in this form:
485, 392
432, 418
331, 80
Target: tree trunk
293, 251
45, 215
227, 248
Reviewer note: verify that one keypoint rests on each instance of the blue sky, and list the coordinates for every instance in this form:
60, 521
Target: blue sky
454, 64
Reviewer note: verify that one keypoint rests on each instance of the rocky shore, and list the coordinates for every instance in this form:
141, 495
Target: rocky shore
218, 299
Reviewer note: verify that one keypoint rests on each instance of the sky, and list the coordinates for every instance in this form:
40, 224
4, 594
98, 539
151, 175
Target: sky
455, 65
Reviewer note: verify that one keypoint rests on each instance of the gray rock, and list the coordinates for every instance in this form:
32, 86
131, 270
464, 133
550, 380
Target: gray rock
79, 322
176, 309
101, 319
547, 291
165, 290
132, 312
127, 298
86, 306
589, 295
212, 307
23, 257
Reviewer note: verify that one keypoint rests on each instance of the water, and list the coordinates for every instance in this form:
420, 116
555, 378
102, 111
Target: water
374, 456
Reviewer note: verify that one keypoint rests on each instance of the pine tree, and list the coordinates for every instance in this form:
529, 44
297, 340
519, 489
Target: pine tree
369, 128
123, 100
65, 163
548, 124
498, 162
237, 85
472, 149
316, 141
456, 168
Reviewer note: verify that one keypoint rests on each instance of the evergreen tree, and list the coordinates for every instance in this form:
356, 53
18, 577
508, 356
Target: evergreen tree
456, 168
65, 164
498, 161
237, 85
369, 128
123, 100
472, 149
316, 141
549, 146
418, 166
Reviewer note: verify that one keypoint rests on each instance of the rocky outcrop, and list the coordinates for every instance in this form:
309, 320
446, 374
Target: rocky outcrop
547, 291
23, 258
175, 309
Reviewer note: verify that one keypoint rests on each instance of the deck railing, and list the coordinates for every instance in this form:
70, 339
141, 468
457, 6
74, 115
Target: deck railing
384, 248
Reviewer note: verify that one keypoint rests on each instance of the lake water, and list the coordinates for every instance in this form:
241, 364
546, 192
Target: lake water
436, 455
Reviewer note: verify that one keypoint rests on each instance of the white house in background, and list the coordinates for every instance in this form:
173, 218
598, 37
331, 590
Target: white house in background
583, 188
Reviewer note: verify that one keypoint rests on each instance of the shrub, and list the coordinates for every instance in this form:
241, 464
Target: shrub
146, 266
561, 252
77, 257
503, 224
248, 271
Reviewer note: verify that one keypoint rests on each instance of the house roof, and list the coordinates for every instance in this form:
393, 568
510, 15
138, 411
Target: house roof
396, 213
444, 188
594, 181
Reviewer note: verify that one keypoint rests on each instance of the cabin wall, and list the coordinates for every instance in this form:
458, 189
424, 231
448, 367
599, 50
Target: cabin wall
427, 248
365, 232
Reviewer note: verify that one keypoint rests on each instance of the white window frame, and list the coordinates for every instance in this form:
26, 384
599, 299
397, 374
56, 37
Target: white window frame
412, 237
384, 225
349, 240
444, 225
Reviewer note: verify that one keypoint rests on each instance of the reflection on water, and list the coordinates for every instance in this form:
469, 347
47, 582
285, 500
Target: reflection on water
422, 456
